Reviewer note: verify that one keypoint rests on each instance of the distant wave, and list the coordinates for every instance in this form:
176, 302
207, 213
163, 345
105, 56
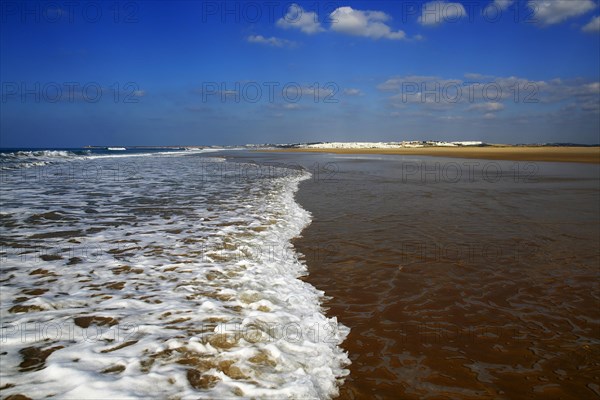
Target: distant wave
33, 158
41, 153
17, 159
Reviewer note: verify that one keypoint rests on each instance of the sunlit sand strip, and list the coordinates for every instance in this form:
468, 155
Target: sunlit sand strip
516, 153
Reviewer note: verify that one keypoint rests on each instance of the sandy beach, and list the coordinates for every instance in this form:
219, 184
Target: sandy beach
458, 290
557, 154
472, 288
298, 275
357, 200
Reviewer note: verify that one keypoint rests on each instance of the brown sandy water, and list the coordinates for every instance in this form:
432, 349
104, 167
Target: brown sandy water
485, 286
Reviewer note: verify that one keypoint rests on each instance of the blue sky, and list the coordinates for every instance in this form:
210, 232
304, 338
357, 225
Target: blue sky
75, 73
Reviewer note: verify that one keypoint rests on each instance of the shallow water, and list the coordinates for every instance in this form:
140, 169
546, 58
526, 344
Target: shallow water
159, 276
483, 286
458, 278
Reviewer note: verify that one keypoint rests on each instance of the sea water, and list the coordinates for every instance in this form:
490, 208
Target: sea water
158, 274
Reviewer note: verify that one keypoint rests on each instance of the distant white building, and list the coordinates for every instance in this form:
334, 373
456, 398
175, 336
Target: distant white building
472, 143
386, 145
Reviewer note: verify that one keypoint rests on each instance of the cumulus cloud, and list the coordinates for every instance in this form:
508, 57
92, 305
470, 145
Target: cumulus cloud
327, 93
344, 20
592, 88
352, 92
549, 12
283, 109
593, 25
488, 107
436, 12
272, 41
498, 5
475, 76
298, 18
422, 81
490, 94
369, 24
503, 4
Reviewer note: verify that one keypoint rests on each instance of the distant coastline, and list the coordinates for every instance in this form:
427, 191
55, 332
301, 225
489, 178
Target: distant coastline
551, 152
556, 153
353, 145
148, 147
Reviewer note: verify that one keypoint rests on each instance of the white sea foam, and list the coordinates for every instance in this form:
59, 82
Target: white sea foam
178, 280
40, 158
153, 154
28, 159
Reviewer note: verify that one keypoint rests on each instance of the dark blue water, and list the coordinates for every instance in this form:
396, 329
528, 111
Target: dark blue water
14, 158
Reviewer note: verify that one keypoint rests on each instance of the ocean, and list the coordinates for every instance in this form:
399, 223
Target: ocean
234, 273
458, 278
158, 274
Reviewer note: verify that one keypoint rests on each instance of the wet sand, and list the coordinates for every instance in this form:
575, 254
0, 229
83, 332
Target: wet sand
556, 154
481, 287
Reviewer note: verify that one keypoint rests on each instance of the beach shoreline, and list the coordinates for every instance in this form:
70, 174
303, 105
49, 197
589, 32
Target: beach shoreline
588, 155
433, 297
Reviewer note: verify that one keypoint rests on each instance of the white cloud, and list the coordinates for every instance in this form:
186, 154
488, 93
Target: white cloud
298, 18
282, 107
593, 25
345, 20
369, 24
489, 107
548, 12
591, 106
352, 92
592, 88
490, 94
272, 41
451, 117
503, 4
497, 6
436, 12
475, 76
411, 81
327, 92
